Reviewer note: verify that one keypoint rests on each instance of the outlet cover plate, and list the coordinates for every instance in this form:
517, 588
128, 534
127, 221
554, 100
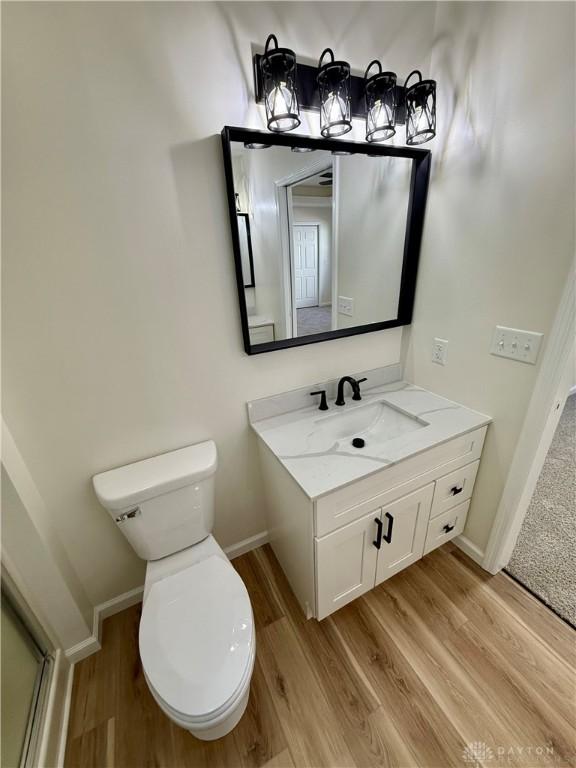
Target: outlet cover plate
345, 306
516, 344
439, 351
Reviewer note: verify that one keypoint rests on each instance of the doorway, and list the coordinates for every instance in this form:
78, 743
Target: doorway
310, 219
543, 557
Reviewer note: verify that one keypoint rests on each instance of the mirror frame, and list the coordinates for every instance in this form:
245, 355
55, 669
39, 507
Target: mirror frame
421, 160
246, 217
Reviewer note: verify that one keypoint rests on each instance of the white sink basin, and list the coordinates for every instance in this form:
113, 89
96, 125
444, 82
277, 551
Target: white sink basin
375, 422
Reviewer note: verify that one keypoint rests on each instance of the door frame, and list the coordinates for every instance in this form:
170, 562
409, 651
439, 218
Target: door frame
283, 188
543, 414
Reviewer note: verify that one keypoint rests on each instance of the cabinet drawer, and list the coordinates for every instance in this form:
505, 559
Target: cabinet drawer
347, 504
261, 334
445, 526
454, 488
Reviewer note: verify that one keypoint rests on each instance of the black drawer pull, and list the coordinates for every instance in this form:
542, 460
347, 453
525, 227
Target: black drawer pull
455, 490
388, 535
378, 540
447, 528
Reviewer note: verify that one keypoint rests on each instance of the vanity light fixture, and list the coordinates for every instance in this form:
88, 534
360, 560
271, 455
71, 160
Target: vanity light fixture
279, 78
420, 109
380, 93
284, 87
334, 88
256, 145
302, 149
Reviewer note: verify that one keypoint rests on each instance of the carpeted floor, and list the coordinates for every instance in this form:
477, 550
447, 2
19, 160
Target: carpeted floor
544, 559
314, 320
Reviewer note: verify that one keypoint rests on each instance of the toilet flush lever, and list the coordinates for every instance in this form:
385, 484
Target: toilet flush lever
128, 515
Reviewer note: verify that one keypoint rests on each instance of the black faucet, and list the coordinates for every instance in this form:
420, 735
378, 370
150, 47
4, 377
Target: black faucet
355, 389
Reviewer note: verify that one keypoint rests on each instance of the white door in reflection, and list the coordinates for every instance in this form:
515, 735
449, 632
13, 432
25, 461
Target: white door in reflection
305, 238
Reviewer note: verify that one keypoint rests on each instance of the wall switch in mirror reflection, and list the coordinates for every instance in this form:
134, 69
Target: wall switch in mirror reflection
439, 350
345, 306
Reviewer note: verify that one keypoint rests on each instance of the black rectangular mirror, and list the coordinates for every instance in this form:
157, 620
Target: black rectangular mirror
326, 235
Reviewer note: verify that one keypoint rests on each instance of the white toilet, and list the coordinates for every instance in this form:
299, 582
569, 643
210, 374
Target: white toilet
197, 638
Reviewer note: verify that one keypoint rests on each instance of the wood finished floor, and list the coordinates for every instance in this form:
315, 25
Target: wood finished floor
440, 656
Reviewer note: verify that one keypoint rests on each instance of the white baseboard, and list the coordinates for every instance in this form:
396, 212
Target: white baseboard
572, 390
115, 605
235, 550
470, 549
81, 650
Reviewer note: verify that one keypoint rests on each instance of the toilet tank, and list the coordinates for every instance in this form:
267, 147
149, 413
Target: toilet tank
165, 503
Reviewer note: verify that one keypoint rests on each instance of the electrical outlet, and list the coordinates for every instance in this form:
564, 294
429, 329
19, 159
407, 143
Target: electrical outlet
345, 306
516, 344
439, 350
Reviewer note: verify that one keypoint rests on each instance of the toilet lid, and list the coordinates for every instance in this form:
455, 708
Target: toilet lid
197, 636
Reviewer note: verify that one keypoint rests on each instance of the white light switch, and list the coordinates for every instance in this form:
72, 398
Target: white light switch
516, 344
345, 306
439, 350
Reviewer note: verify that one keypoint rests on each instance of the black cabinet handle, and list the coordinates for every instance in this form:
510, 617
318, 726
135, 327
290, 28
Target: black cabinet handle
447, 528
455, 490
388, 535
378, 540
323, 404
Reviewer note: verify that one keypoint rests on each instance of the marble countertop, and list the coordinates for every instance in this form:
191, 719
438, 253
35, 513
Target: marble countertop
416, 420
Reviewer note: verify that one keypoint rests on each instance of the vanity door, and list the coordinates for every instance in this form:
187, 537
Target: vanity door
404, 526
346, 563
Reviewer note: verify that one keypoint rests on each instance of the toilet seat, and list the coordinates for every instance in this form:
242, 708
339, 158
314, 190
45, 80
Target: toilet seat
197, 641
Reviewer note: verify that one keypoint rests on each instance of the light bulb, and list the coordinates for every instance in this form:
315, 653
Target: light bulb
335, 108
281, 103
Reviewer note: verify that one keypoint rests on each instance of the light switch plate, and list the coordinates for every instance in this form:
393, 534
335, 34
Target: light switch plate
439, 350
516, 344
345, 306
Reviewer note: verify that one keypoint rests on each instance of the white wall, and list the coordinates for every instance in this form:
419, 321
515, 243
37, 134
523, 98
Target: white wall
322, 216
499, 231
121, 335
372, 204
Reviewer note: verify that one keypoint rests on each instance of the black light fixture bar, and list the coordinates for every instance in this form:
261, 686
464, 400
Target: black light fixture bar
309, 98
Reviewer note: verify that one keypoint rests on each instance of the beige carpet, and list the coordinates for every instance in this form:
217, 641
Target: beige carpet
314, 320
544, 559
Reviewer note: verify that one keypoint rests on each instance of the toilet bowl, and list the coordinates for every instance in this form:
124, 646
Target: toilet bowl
197, 639
197, 646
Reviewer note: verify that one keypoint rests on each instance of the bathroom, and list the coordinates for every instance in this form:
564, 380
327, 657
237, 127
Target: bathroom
124, 337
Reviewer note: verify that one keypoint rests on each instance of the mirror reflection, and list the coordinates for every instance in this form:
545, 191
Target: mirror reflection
321, 238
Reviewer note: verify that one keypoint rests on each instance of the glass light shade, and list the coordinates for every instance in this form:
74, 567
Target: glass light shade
380, 93
334, 88
420, 110
279, 81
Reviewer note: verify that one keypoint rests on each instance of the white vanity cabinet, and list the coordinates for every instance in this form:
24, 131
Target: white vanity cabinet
338, 546
357, 557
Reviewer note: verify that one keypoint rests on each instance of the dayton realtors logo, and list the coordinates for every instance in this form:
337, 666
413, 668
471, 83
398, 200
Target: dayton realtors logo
477, 754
